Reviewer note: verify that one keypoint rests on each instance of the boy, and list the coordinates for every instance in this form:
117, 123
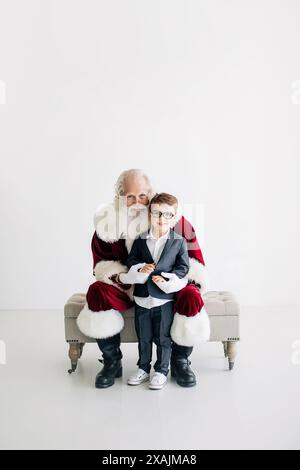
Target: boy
160, 261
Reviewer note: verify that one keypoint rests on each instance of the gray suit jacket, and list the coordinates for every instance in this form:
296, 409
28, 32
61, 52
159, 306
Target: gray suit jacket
174, 259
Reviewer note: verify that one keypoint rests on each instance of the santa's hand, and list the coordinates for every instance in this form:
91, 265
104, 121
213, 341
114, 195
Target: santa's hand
134, 276
174, 284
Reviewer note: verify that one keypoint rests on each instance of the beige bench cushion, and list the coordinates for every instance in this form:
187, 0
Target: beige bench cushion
221, 303
221, 306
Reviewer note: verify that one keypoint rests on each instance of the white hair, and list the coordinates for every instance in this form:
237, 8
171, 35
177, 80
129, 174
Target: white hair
132, 173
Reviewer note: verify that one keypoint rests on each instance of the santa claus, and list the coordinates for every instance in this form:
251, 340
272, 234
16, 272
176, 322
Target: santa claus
116, 227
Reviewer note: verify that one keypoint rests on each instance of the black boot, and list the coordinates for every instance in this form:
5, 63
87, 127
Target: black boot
180, 366
112, 355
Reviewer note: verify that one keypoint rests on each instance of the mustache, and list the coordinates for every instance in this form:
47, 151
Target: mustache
137, 209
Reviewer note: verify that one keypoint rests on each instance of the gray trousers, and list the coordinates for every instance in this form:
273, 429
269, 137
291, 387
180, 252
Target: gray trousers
153, 326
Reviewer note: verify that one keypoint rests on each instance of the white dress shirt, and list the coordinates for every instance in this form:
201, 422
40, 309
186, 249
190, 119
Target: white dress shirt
156, 246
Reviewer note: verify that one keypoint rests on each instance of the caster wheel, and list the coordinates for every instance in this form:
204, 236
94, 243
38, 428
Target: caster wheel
73, 368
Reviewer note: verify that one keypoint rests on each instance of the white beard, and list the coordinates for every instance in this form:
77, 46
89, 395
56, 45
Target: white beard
124, 223
136, 222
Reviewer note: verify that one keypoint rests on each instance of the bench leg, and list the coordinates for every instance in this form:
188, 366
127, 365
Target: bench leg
225, 348
75, 351
231, 353
81, 349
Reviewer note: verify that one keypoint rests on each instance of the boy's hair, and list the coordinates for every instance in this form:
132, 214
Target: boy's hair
164, 198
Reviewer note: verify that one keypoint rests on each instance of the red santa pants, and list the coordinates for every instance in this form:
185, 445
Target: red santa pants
101, 297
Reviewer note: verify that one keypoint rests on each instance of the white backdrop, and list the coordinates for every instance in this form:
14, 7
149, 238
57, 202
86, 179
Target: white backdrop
203, 95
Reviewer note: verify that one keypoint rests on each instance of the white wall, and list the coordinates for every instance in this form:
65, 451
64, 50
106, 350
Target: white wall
201, 94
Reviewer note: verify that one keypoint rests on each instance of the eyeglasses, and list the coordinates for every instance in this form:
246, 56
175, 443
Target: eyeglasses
166, 215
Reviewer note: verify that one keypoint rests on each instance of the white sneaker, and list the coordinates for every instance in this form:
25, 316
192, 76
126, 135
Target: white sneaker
138, 378
158, 381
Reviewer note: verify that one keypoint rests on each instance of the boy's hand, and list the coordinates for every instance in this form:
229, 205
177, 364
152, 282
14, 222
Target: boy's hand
148, 268
158, 279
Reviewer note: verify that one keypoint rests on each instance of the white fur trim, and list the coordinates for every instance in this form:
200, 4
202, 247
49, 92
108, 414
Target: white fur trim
103, 324
198, 273
190, 331
105, 269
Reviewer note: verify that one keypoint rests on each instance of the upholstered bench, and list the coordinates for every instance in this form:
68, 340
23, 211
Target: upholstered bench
221, 307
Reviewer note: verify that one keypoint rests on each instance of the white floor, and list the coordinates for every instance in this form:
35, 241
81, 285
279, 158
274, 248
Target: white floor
255, 406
